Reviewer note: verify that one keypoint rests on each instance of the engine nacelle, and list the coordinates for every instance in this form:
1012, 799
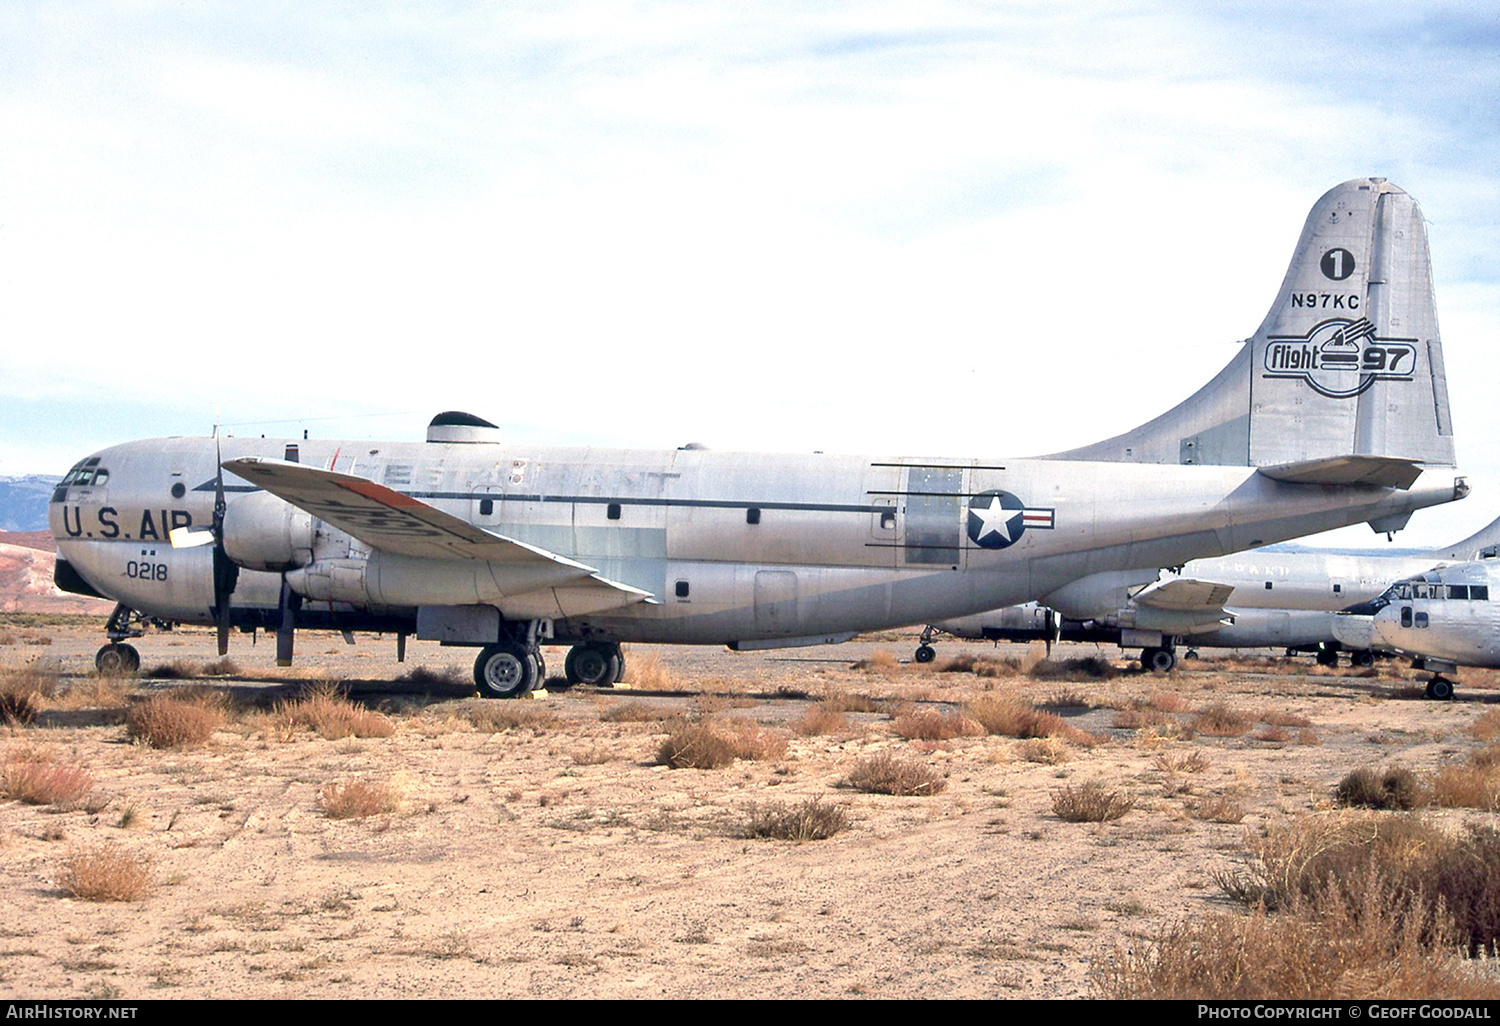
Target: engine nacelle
1098, 595
264, 532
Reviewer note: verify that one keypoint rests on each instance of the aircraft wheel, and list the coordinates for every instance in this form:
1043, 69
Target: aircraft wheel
117, 658
1440, 689
926, 653
1191, 653
594, 665
1158, 660
1363, 658
620, 673
505, 671
1328, 657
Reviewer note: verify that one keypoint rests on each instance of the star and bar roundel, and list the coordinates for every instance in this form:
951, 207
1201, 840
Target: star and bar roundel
998, 519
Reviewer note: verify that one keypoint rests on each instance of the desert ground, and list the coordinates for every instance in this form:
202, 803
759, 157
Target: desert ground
537, 848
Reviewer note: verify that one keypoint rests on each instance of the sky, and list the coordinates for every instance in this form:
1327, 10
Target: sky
972, 229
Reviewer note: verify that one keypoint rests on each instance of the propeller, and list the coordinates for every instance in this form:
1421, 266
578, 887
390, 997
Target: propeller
226, 572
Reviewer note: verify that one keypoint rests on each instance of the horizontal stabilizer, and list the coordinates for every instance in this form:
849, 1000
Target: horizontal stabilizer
1387, 471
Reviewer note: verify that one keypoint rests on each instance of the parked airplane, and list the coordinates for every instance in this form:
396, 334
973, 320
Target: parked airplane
1444, 618
1333, 413
1280, 597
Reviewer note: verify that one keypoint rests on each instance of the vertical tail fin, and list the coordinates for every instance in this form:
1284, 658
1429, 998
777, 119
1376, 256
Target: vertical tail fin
1348, 361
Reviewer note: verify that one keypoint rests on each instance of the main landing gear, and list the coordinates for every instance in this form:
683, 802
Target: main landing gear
1158, 659
1440, 687
118, 657
595, 663
514, 667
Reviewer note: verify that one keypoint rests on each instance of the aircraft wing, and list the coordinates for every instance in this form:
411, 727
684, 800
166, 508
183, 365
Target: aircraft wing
393, 522
1184, 595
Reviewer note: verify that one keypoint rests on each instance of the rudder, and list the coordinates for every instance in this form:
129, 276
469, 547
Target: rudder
1347, 363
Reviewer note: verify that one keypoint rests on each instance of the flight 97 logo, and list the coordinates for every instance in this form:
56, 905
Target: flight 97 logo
1340, 358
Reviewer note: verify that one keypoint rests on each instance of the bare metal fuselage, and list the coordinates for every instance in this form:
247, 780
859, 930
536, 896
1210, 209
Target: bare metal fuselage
734, 548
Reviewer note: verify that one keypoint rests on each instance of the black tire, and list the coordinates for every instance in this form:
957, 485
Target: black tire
1440, 689
1362, 659
505, 671
116, 658
593, 665
620, 672
926, 653
1158, 660
1327, 657
1191, 653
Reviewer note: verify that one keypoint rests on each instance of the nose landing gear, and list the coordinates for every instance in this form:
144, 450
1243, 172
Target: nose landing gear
123, 623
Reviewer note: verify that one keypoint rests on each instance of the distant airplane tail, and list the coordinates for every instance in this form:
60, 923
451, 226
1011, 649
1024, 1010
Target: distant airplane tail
1344, 380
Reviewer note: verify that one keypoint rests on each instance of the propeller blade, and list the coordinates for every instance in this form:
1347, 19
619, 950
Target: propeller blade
286, 630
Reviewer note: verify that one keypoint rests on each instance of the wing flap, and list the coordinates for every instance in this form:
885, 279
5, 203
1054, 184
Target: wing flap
1184, 594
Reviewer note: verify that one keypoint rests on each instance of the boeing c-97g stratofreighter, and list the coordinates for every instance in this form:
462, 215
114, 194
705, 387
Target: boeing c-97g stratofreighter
1335, 412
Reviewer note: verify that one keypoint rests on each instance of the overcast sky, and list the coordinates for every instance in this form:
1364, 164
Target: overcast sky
959, 228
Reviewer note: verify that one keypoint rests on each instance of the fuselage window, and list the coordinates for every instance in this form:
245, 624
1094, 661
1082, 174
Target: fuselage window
1479, 592
486, 507
613, 511
1421, 619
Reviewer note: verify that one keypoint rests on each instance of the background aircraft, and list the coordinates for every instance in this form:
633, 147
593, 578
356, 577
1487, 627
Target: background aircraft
1444, 618
1335, 412
1280, 597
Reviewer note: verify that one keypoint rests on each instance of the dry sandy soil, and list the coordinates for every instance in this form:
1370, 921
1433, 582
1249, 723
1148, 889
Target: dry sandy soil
558, 860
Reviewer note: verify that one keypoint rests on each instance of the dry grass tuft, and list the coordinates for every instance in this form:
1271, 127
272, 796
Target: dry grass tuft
981, 665
45, 783
495, 717
1487, 727
186, 669
1180, 762
694, 745
848, 702
810, 820
879, 661
648, 671
712, 744
1167, 702
931, 725
1396, 788
324, 710
1370, 944
1049, 751
1219, 809
357, 799
1433, 872
170, 721
1010, 717
1285, 719
24, 692
1089, 668
887, 774
105, 874
633, 712
1220, 720
1471, 784
1090, 803
821, 719
447, 677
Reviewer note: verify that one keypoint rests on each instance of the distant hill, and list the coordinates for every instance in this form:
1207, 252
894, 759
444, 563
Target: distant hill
23, 501
26, 562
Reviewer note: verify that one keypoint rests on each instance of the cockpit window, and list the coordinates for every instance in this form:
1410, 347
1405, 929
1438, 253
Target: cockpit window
1479, 592
86, 473
1458, 591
